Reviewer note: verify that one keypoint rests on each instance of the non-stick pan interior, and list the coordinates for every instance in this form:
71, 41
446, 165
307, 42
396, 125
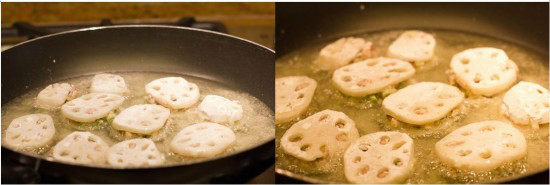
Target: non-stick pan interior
231, 61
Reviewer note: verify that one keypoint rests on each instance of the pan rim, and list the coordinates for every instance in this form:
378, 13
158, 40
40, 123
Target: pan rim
141, 26
106, 167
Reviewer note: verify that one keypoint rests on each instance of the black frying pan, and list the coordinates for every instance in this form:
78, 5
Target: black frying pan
303, 24
237, 63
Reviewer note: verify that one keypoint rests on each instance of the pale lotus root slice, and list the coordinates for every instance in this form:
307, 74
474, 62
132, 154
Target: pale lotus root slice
484, 71
482, 146
527, 103
423, 102
413, 46
293, 95
343, 51
202, 140
30, 131
108, 83
81, 148
90, 107
371, 76
53, 96
324, 134
134, 153
141, 119
221, 110
173, 92
379, 158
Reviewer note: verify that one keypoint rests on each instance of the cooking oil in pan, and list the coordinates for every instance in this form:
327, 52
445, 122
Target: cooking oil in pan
369, 117
255, 127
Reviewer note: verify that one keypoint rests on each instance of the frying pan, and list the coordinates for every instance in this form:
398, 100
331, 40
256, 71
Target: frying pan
300, 25
234, 62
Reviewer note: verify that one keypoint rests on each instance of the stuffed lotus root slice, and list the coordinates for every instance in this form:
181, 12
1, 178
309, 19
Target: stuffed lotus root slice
91, 107
108, 83
202, 140
527, 103
134, 153
30, 131
293, 94
482, 146
371, 76
302, 141
433, 101
413, 46
82, 148
343, 51
55, 95
173, 92
484, 71
220, 109
141, 119
381, 157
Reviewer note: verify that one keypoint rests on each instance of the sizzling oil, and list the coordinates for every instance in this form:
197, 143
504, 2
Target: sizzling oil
369, 117
255, 127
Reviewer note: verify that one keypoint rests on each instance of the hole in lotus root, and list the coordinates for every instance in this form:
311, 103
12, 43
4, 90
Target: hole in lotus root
398, 145
304, 147
383, 173
342, 137
477, 78
454, 143
132, 145
420, 110
323, 117
397, 70
295, 138
364, 82
300, 96
323, 149
495, 77
464, 152
465, 60
510, 145
384, 140
487, 128
346, 78
144, 147
301, 86
340, 123
364, 170
64, 153
364, 147
466, 133
357, 159
485, 154
91, 139
397, 162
